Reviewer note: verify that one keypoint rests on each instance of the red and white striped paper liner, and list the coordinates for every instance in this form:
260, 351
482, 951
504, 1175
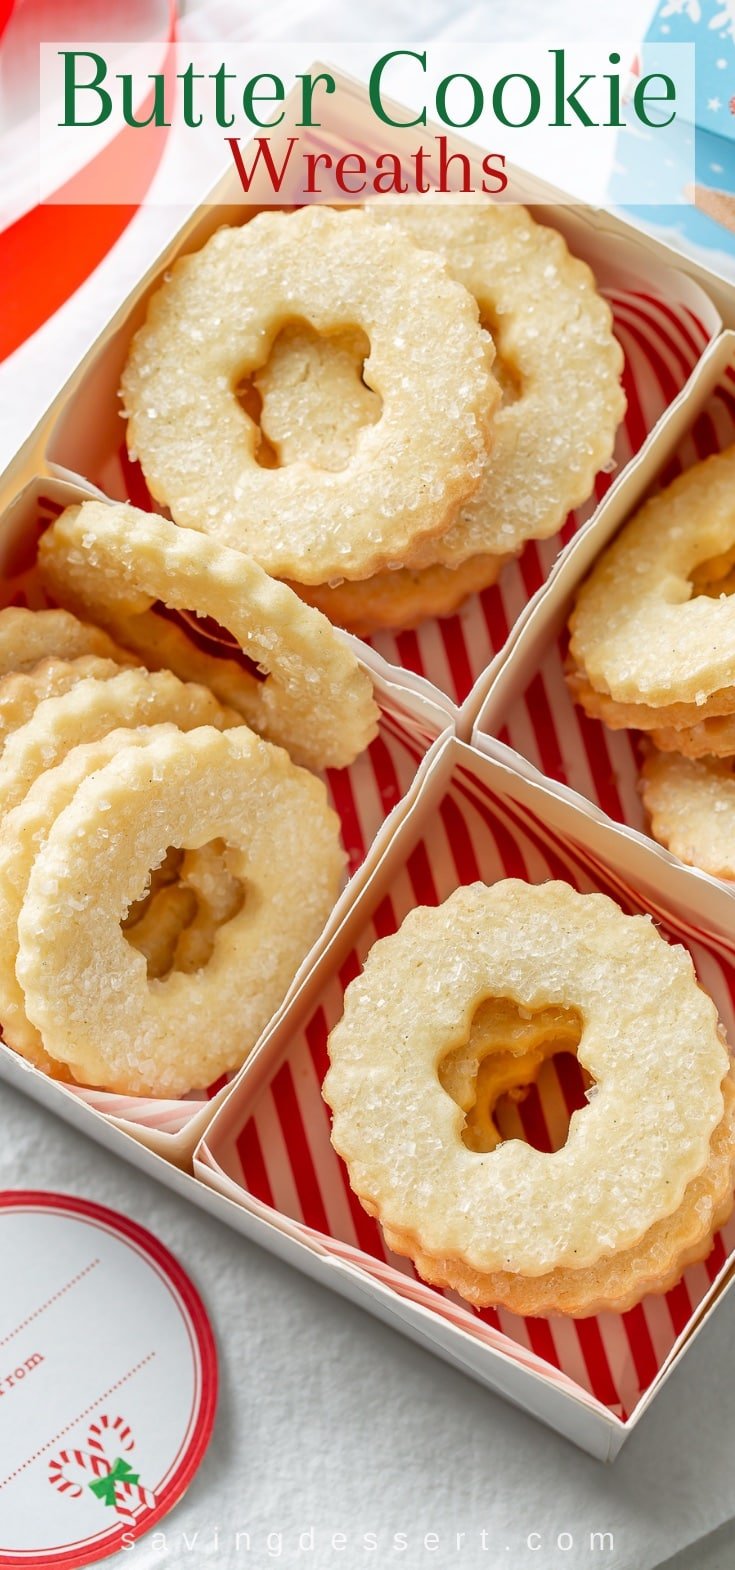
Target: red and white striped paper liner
275, 1141
546, 727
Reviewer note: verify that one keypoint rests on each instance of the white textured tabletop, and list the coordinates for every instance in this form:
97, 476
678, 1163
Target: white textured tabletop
329, 1423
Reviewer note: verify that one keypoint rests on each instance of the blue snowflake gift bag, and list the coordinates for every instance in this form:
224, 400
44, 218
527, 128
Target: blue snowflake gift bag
690, 171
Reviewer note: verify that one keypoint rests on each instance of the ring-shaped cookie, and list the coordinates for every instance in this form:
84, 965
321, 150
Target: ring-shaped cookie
557, 355
691, 806
25, 830
21, 692
118, 562
649, 1038
638, 631
87, 990
212, 324
696, 730
314, 405
643, 716
28, 636
618, 1282
91, 709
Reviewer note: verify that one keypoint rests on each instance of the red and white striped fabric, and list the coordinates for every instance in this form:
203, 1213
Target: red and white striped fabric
33, 232
556, 736
275, 1141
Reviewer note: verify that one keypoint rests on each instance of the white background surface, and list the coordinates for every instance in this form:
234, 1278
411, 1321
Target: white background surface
328, 1420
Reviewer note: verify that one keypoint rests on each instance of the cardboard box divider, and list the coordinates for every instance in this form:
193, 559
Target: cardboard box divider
669, 312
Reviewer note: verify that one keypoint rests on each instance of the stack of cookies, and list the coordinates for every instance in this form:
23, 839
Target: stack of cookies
378, 406
461, 1006
652, 647
167, 860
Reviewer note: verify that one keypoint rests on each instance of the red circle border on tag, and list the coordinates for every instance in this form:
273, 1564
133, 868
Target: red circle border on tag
74, 1557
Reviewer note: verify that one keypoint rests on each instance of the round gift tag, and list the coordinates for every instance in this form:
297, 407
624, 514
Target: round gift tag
108, 1381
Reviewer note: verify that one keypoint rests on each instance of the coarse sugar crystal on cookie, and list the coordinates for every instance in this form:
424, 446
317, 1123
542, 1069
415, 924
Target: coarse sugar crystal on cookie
211, 325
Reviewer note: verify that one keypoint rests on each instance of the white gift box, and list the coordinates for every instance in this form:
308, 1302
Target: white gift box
480, 769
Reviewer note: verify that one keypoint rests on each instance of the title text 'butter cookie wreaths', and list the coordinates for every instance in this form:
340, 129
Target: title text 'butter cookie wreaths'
211, 325
113, 563
646, 1172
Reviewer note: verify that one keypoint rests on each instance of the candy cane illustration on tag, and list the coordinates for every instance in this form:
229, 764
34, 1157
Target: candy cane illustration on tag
113, 1480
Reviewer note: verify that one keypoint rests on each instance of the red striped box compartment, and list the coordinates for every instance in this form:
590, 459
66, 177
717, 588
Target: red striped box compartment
272, 1137
545, 726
